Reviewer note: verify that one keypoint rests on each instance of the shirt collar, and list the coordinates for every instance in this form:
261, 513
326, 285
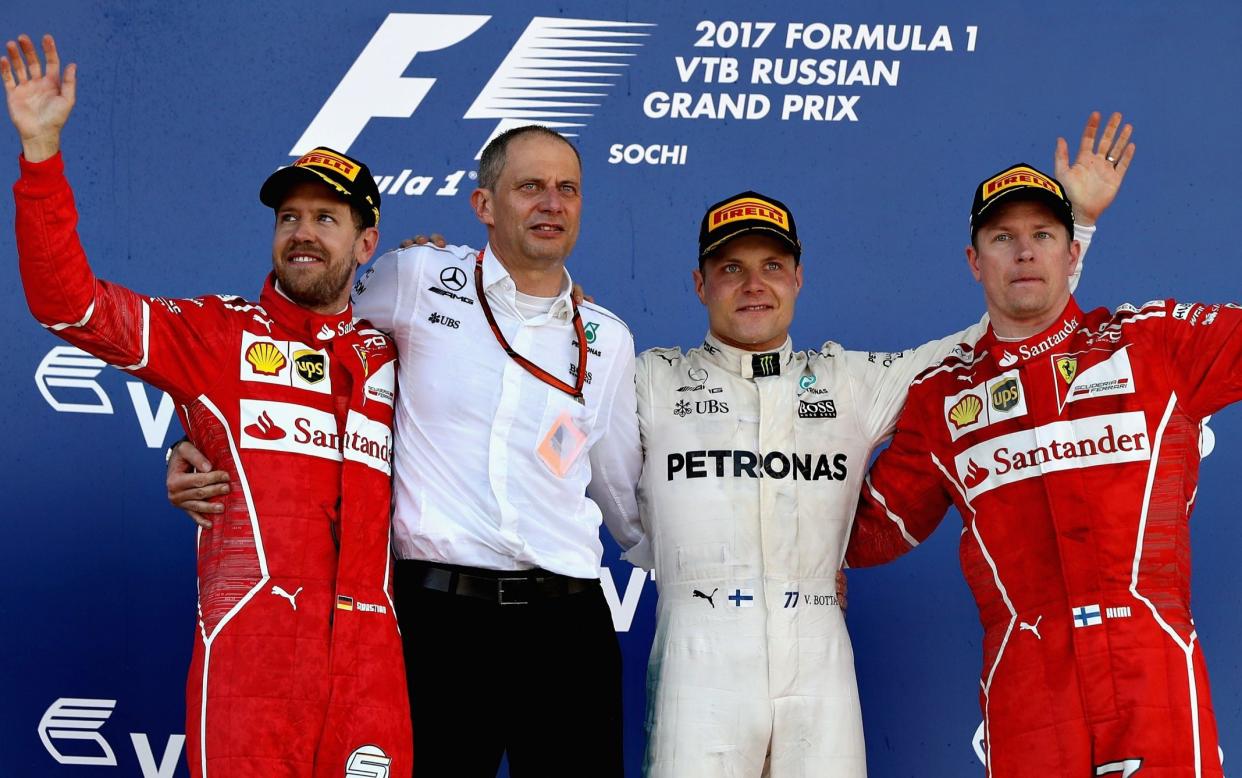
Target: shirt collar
743, 362
312, 327
500, 286
1009, 353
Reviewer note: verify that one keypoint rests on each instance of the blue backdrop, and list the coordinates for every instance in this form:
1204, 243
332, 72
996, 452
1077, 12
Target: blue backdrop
875, 134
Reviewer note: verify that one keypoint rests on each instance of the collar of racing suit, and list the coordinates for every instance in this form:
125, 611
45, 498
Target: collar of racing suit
1008, 353
740, 361
313, 327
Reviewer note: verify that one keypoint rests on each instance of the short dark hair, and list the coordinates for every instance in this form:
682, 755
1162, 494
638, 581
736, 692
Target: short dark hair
492, 160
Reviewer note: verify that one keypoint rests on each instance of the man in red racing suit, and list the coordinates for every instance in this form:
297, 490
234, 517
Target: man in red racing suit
297, 667
1072, 455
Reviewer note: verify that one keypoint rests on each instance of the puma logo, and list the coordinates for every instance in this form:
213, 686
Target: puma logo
1032, 627
708, 597
292, 598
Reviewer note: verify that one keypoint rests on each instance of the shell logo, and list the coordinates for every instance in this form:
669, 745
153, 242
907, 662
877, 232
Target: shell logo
966, 411
265, 358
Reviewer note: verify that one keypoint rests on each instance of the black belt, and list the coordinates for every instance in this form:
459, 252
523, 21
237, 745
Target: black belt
518, 587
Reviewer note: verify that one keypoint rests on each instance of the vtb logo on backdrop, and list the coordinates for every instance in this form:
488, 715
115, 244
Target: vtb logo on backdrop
555, 75
66, 378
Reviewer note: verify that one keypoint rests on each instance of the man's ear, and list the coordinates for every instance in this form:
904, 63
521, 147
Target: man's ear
481, 201
972, 259
368, 239
698, 284
1075, 253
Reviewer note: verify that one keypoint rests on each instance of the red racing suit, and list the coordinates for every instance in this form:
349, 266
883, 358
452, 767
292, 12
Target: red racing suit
1073, 459
297, 669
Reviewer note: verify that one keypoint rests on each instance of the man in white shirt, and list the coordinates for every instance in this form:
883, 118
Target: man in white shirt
514, 404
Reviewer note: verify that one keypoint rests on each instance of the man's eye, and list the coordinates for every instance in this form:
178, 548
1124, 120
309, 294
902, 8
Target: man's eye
1001, 237
529, 186
327, 218
1042, 235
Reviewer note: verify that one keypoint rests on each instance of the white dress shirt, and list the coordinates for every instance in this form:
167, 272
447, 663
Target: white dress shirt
492, 465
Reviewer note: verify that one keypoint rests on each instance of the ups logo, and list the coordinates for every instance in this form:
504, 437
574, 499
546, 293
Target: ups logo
311, 365
1006, 394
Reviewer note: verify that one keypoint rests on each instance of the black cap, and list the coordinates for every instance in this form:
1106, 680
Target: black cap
1021, 182
743, 213
343, 173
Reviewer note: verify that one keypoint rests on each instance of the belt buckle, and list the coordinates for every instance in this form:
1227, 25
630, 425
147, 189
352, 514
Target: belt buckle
500, 593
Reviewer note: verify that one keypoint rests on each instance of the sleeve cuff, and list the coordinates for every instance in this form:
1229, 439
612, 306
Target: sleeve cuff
39, 179
640, 554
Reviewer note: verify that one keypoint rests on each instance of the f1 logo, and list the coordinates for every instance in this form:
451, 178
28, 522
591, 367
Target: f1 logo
530, 86
374, 85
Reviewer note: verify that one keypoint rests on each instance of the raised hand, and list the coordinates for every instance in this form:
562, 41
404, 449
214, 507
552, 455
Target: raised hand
39, 99
1092, 181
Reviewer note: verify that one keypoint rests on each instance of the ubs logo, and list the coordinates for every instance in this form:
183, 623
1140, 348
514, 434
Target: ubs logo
702, 407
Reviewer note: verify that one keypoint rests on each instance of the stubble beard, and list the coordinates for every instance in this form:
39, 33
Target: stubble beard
318, 291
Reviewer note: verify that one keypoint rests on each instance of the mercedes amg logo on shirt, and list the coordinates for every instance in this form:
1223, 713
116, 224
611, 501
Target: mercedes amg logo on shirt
453, 278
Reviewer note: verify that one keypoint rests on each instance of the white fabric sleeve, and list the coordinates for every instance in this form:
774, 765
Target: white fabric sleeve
377, 294
880, 380
616, 458
1083, 234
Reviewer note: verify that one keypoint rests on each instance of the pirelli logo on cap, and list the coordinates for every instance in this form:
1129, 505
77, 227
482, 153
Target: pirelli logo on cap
330, 161
1020, 176
748, 208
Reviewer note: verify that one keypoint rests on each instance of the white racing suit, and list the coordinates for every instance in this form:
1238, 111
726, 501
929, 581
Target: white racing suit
748, 491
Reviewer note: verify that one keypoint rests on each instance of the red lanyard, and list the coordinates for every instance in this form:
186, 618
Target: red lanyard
574, 391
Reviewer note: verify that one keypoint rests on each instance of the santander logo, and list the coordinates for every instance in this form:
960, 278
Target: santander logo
277, 426
1063, 445
265, 428
975, 474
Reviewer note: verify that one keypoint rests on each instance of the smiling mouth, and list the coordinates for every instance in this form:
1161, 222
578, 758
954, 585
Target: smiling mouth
753, 308
548, 229
302, 259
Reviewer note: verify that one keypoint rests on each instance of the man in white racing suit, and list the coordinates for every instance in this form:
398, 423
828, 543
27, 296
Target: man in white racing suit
754, 457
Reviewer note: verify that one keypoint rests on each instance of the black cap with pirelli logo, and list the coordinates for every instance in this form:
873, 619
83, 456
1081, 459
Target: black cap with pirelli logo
744, 213
351, 178
1021, 182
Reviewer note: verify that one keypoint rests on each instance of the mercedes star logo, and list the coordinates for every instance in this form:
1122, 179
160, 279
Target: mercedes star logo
454, 278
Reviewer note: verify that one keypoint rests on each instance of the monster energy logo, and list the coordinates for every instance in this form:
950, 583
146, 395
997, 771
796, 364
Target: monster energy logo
765, 364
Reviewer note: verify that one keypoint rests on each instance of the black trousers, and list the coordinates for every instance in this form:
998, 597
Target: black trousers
541, 681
